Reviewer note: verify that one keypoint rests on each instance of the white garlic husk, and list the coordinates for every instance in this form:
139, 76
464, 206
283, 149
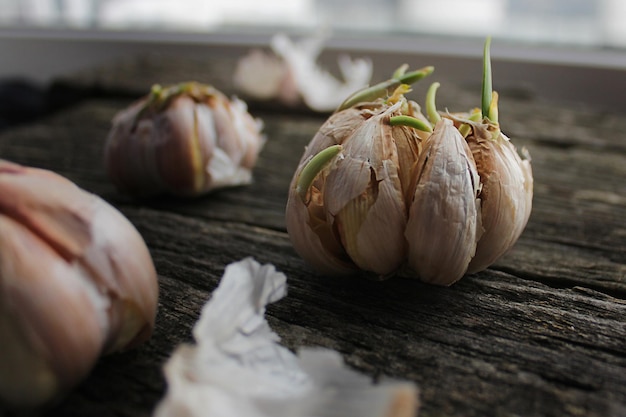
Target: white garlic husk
76, 281
237, 367
186, 140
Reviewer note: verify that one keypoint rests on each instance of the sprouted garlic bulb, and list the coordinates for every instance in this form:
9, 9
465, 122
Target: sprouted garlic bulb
186, 140
76, 281
447, 196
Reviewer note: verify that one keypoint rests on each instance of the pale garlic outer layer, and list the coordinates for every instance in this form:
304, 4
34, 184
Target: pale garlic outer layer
76, 281
184, 140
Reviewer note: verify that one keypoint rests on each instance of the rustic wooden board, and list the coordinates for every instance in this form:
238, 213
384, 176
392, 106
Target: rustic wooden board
541, 333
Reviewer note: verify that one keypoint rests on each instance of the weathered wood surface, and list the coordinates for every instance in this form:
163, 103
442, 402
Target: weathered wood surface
540, 333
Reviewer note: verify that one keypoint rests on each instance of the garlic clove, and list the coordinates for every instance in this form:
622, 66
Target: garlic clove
120, 260
52, 331
93, 290
310, 229
364, 195
506, 179
180, 155
315, 240
409, 146
444, 221
506, 193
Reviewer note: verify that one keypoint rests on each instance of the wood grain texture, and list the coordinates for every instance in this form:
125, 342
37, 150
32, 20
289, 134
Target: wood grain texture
540, 333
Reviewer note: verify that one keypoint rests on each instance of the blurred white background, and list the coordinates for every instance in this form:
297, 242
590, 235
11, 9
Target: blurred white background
596, 23
562, 50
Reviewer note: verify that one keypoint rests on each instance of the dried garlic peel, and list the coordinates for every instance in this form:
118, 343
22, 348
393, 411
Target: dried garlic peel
238, 368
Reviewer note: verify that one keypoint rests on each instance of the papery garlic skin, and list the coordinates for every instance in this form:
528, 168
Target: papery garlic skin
237, 367
76, 281
354, 213
506, 192
444, 216
185, 140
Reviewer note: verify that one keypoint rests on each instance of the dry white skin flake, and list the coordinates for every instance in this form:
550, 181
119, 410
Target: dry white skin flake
238, 368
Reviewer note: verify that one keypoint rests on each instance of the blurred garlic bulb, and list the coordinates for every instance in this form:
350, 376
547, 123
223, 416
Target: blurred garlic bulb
291, 73
76, 281
186, 140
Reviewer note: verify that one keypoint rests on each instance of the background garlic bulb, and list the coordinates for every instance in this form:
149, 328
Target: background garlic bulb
186, 140
76, 281
444, 214
379, 189
291, 74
